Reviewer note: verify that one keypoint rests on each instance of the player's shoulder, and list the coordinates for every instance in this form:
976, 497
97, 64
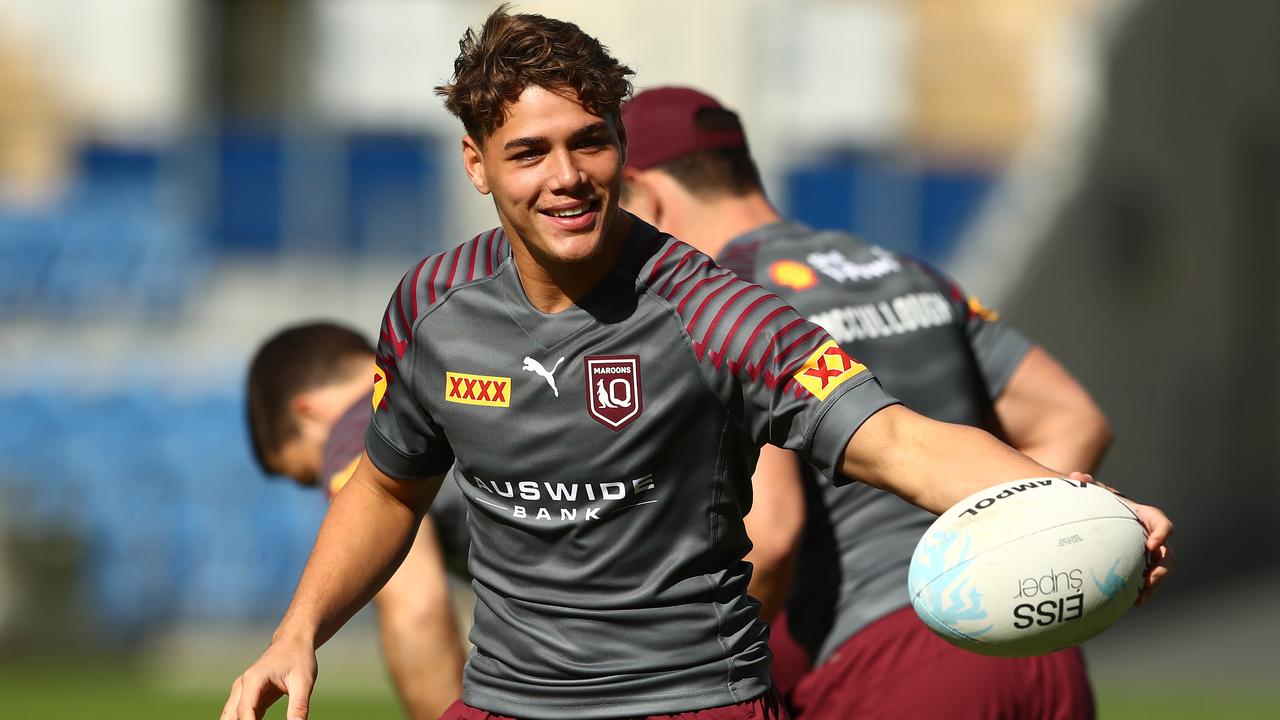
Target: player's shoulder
796, 257
689, 281
434, 278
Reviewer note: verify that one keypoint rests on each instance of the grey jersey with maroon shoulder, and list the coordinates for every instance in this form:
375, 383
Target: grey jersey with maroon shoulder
940, 354
605, 453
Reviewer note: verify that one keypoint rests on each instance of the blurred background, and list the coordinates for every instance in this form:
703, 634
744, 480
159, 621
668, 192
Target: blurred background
180, 178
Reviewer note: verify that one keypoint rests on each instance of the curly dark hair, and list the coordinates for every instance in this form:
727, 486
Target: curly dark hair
512, 52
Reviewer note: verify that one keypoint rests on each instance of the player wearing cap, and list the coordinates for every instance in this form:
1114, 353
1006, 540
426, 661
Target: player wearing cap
309, 404
601, 389
689, 171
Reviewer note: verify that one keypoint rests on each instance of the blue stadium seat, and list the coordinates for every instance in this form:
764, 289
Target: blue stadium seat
392, 180
26, 250
887, 200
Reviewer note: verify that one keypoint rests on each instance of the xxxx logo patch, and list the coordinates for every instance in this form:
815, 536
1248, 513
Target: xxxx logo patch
827, 369
379, 388
477, 389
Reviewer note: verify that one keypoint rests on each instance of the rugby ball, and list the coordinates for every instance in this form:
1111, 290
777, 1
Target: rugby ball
1028, 567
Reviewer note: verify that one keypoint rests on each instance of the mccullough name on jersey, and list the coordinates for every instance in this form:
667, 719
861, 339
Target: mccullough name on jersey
902, 314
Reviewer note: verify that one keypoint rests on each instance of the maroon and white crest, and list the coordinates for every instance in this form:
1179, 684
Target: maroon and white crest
613, 389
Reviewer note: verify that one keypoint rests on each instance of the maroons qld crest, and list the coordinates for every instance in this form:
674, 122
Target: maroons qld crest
613, 389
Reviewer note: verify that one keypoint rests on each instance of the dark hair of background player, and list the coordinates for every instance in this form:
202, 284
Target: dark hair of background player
512, 52
294, 361
715, 172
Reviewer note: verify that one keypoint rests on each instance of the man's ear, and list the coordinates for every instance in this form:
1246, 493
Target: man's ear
641, 199
473, 163
305, 407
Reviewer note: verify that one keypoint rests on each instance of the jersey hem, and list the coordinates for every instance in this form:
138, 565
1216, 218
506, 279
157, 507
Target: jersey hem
838, 423
514, 706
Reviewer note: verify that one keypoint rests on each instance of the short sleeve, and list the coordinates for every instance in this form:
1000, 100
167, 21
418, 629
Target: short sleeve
403, 441
998, 347
781, 376
818, 399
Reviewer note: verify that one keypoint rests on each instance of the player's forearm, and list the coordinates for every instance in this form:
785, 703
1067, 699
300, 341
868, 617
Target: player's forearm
1048, 415
775, 524
425, 658
1074, 442
771, 584
929, 463
363, 537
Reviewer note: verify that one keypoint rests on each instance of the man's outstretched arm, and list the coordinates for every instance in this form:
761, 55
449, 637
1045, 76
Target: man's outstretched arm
420, 636
935, 464
365, 535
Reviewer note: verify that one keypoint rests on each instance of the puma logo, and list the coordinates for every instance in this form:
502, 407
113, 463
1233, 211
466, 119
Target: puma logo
535, 367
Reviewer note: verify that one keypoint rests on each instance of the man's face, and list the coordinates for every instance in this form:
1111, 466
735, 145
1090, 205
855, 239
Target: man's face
554, 170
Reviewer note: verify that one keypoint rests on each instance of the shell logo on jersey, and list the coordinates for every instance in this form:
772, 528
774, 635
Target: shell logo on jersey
486, 390
977, 308
613, 389
792, 274
379, 388
827, 369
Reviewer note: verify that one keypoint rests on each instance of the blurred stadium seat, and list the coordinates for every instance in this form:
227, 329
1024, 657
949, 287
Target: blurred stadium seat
175, 520
905, 208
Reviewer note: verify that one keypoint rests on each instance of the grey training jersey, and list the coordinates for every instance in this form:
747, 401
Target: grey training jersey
606, 453
940, 355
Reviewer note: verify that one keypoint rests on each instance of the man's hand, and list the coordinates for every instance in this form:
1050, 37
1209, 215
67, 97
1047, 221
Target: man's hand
288, 667
1160, 557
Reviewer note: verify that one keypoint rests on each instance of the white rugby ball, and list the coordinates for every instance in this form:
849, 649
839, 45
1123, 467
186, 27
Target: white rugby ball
1028, 567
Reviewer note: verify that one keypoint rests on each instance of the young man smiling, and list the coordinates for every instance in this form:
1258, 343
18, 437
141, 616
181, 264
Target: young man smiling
606, 520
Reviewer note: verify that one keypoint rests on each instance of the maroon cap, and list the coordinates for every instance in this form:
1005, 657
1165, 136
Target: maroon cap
661, 126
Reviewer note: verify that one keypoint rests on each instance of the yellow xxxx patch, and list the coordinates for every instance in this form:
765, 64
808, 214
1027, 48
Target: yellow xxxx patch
485, 390
826, 369
977, 308
379, 387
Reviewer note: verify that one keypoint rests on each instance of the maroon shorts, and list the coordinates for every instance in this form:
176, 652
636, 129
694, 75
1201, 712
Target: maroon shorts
765, 707
897, 668
790, 661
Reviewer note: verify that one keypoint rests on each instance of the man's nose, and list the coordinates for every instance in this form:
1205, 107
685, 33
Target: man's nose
566, 174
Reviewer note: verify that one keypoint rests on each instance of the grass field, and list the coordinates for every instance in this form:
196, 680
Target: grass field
119, 689
46, 691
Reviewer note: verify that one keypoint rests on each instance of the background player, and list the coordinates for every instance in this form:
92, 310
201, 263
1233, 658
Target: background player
689, 171
606, 537
309, 404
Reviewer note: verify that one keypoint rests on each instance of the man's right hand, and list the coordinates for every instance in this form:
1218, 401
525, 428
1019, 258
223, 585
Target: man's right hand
288, 667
